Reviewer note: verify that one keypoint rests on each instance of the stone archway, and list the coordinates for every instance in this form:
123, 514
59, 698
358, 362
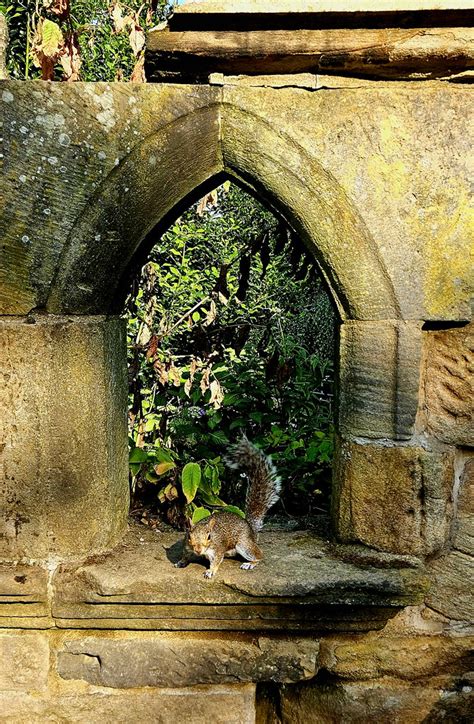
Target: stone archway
82, 385
126, 206
135, 157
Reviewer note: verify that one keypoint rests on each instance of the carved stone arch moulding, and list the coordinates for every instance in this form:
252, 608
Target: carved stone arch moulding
192, 150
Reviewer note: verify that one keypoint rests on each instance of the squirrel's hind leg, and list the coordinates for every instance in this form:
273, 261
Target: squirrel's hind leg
252, 554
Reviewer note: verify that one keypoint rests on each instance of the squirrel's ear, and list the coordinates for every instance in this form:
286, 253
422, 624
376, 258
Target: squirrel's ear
212, 522
188, 525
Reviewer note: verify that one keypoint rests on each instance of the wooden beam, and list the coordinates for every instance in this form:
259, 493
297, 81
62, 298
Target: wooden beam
392, 53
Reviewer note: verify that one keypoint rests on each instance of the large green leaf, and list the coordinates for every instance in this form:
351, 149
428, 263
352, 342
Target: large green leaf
138, 455
190, 479
233, 509
199, 514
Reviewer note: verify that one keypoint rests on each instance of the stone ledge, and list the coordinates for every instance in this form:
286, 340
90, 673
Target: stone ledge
415, 42
23, 592
302, 584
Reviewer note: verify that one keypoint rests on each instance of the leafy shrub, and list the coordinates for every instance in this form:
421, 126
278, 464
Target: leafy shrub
72, 40
230, 331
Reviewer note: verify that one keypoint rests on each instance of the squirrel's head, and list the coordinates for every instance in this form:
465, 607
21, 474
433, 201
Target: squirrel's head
200, 535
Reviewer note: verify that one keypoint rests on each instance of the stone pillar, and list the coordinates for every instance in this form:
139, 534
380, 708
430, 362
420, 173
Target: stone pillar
379, 378
392, 488
63, 453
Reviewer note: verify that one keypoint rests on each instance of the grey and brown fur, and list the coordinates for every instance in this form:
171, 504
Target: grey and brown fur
227, 534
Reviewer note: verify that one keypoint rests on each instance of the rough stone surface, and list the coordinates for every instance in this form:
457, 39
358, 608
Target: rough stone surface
449, 385
299, 584
94, 150
258, 45
369, 141
63, 403
379, 378
212, 7
199, 705
23, 593
450, 592
464, 524
393, 498
24, 661
404, 657
164, 660
356, 191
384, 702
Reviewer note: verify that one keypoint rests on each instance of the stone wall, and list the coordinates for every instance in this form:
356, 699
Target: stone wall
363, 175
374, 178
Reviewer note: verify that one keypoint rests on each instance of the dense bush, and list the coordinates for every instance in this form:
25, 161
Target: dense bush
72, 40
230, 331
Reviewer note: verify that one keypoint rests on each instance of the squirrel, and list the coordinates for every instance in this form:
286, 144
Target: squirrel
228, 533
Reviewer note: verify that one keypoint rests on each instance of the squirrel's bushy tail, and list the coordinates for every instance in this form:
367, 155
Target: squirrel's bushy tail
264, 482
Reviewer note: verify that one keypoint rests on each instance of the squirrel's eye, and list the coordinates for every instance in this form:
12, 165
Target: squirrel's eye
209, 536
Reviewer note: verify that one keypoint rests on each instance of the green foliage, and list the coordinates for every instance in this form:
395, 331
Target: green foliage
225, 336
99, 40
195, 484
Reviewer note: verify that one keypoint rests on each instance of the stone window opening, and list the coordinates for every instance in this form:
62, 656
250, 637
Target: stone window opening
307, 582
291, 345
378, 385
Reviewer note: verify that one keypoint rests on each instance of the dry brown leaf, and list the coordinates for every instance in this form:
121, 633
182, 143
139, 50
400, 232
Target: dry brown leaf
217, 394
161, 372
136, 37
47, 46
187, 386
211, 315
152, 347
189, 382
171, 492
117, 17
174, 375
57, 7
71, 59
204, 384
209, 199
138, 72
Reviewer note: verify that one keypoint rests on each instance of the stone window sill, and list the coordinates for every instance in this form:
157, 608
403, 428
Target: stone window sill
303, 584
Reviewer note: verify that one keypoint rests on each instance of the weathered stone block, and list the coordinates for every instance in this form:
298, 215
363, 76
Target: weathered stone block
403, 657
449, 385
464, 523
297, 183
95, 167
163, 660
385, 147
393, 498
24, 661
199, 705
450, 592
65, 454
379, 377
384, 702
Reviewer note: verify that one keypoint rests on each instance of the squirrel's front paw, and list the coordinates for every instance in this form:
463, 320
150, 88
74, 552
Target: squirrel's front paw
248, 566
208, 574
